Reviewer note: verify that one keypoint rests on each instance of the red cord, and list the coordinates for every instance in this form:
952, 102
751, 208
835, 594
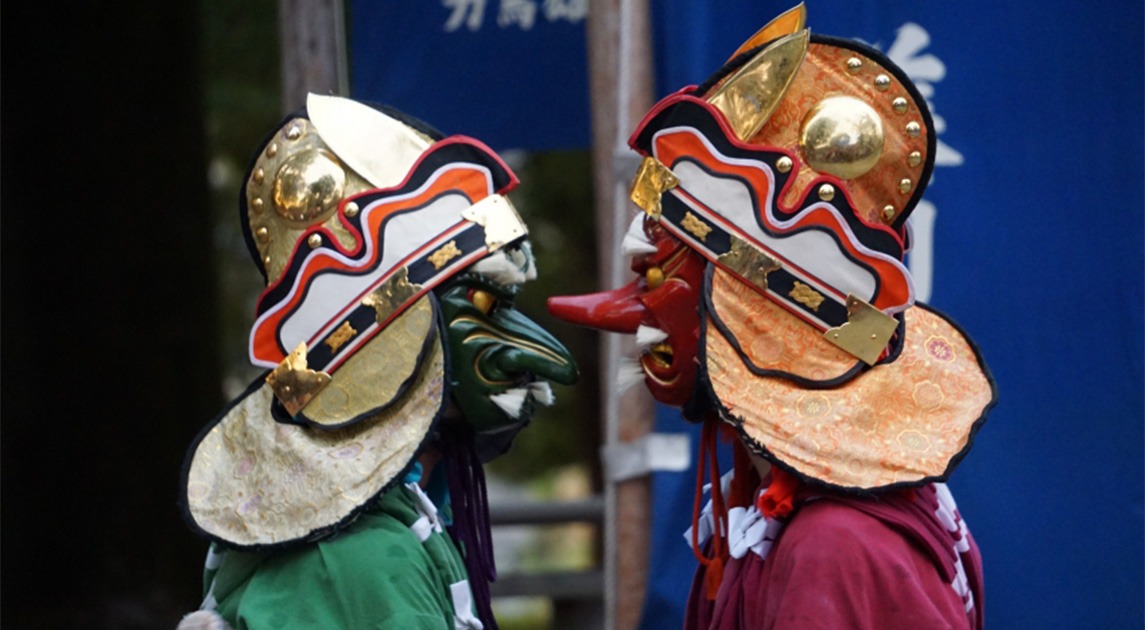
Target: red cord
709, 463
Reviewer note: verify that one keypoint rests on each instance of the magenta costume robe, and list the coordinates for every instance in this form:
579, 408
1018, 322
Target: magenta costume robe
902, 560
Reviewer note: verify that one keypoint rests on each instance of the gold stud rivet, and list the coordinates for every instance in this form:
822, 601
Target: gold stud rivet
905, 185
883, 82
914, 159
783, 164
266, 261
654, 277
351, 209
257, 204
272, 150
899, 104
263, 235
314, 241
888, 212
294, 132
874, 336
826, 192
913, 129
259, 176
853, 64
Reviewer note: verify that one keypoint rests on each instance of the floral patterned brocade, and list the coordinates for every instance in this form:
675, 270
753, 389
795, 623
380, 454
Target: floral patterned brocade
254, 481
770, 337
901, 422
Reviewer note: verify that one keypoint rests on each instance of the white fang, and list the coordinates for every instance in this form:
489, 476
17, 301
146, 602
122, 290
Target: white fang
635, 241
647, 336
628, 373
543, 393
511, 401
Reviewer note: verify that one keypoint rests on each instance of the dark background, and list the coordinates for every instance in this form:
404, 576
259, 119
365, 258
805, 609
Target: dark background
109, 315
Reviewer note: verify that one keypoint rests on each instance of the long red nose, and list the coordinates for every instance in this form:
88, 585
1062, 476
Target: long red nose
617, 310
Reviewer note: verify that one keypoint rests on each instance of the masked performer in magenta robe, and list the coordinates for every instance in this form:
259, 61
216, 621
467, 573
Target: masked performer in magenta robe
344, 488
773, 305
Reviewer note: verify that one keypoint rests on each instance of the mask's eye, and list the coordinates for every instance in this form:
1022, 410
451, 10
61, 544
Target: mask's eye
483, 300
654, 276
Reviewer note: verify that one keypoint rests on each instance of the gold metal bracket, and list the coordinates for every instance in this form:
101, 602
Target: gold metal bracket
866, 333
652, 180
749, 263
293, 383
497, 215
391, 295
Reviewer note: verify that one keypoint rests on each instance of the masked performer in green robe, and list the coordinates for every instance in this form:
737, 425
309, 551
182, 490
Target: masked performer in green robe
344, 488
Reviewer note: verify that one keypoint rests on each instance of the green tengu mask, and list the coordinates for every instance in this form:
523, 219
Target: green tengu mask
501, 361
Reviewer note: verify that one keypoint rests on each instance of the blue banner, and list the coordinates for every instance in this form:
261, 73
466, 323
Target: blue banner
512, 73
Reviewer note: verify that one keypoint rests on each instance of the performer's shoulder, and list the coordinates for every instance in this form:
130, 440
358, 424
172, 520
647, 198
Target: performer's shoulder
833, 532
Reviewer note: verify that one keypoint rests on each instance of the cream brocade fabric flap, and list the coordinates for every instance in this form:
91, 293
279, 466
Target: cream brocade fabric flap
255, 481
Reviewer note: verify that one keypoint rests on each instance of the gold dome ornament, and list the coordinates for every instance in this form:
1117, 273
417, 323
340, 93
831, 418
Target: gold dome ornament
308, 186
842, 136
312, 165
838, 107
302, 180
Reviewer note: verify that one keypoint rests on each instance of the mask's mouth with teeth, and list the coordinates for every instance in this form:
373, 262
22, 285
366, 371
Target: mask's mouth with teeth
518, 404
659, 355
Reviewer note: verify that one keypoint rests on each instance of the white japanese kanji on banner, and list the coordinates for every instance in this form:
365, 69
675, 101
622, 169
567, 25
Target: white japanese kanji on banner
511, 72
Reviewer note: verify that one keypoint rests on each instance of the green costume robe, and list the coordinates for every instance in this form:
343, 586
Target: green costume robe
394, 567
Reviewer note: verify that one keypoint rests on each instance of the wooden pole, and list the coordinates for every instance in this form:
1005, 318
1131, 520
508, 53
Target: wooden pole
312, 37
621, 92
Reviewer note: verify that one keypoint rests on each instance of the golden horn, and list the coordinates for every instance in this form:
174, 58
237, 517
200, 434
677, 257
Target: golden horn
790, 21
749, 96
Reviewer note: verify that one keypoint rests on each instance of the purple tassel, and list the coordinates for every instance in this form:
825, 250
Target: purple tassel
471, 520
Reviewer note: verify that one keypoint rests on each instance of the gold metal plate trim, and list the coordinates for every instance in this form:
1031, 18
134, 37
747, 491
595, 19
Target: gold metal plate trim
293, 383
652, 180
497, 215
866, 333
749, 263
391, 295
